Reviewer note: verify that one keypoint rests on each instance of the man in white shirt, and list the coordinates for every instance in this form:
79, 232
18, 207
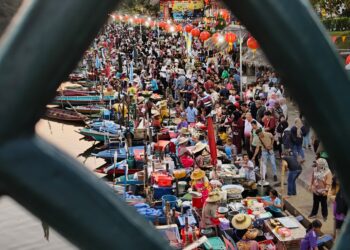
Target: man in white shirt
247, 168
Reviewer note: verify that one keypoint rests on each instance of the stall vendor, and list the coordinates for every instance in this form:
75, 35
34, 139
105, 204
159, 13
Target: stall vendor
183, 123
272, 203
230, 149
209, 212
200, 183
156, 121
248, 241
244, 234
163, 107
247, 167
183, 153
201, 155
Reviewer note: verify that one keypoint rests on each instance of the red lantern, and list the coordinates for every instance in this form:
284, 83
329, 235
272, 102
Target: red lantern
347, 61
162, 24
166, 27
252, 43
204, 36
230, 37
188, 28
216, 37
179, 28
224, 13
195, 32
126, 18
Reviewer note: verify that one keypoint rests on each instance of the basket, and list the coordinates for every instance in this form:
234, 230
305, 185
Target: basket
264, 243
164, 181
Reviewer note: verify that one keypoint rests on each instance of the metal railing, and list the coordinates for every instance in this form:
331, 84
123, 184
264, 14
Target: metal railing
43, 45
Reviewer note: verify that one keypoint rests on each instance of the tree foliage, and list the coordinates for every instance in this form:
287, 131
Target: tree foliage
332, 7
140, 7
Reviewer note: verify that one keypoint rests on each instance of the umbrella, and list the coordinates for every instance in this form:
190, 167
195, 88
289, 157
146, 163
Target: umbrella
212, 142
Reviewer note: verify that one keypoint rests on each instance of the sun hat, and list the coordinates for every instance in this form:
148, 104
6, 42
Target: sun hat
197, 174
182, 140
213, 197
184, 131
155, 113
198, 147
241, 221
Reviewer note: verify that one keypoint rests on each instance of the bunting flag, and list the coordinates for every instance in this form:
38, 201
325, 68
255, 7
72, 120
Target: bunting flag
334, 39
212, 142
343, 38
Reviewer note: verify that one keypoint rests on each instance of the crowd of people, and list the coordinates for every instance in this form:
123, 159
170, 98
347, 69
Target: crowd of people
252, 127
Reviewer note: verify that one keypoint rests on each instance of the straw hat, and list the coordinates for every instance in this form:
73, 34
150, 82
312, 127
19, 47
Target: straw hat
213, 197
198, 147
197, 174
241, 221
155, 113
184, 131
177, 120
163, 104
140, 99
182, 140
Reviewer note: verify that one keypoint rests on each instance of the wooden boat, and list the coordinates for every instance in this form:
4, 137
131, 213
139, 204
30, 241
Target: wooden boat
65, 115
117, 172
96, 135
82, 100
77, 92
89, 109
108, 154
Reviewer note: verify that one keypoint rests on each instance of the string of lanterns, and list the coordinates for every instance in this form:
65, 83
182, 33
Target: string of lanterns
195, 32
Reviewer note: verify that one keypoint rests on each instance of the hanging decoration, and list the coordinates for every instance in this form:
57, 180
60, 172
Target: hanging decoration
216, 37
347, 61
188, 28
195, 32
230, 39
179, 28
204, 35
162, 25
253, 44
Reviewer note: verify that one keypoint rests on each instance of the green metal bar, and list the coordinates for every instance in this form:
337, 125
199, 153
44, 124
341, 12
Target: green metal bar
38, 52
68, 197
297, 45
42, 47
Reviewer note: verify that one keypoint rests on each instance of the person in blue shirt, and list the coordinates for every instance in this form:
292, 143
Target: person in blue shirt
273, 204
154, 85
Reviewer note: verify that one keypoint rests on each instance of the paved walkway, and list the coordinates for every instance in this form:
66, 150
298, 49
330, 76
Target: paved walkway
301, 203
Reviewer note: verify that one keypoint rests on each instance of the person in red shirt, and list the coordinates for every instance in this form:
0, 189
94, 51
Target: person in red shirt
269, 122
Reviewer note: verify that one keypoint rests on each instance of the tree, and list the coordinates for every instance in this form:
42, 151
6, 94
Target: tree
332, 7
141, 7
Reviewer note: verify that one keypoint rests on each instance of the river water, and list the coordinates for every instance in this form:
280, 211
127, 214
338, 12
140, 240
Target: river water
18, 228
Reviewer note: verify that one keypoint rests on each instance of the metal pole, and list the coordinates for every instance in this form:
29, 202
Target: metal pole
240, 61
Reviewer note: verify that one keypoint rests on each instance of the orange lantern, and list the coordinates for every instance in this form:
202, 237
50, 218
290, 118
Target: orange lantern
216, 37
195, 32
162, 24
253, 44
224, 13
188, 28
230, 37
179, 28
204, 36
347, 61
